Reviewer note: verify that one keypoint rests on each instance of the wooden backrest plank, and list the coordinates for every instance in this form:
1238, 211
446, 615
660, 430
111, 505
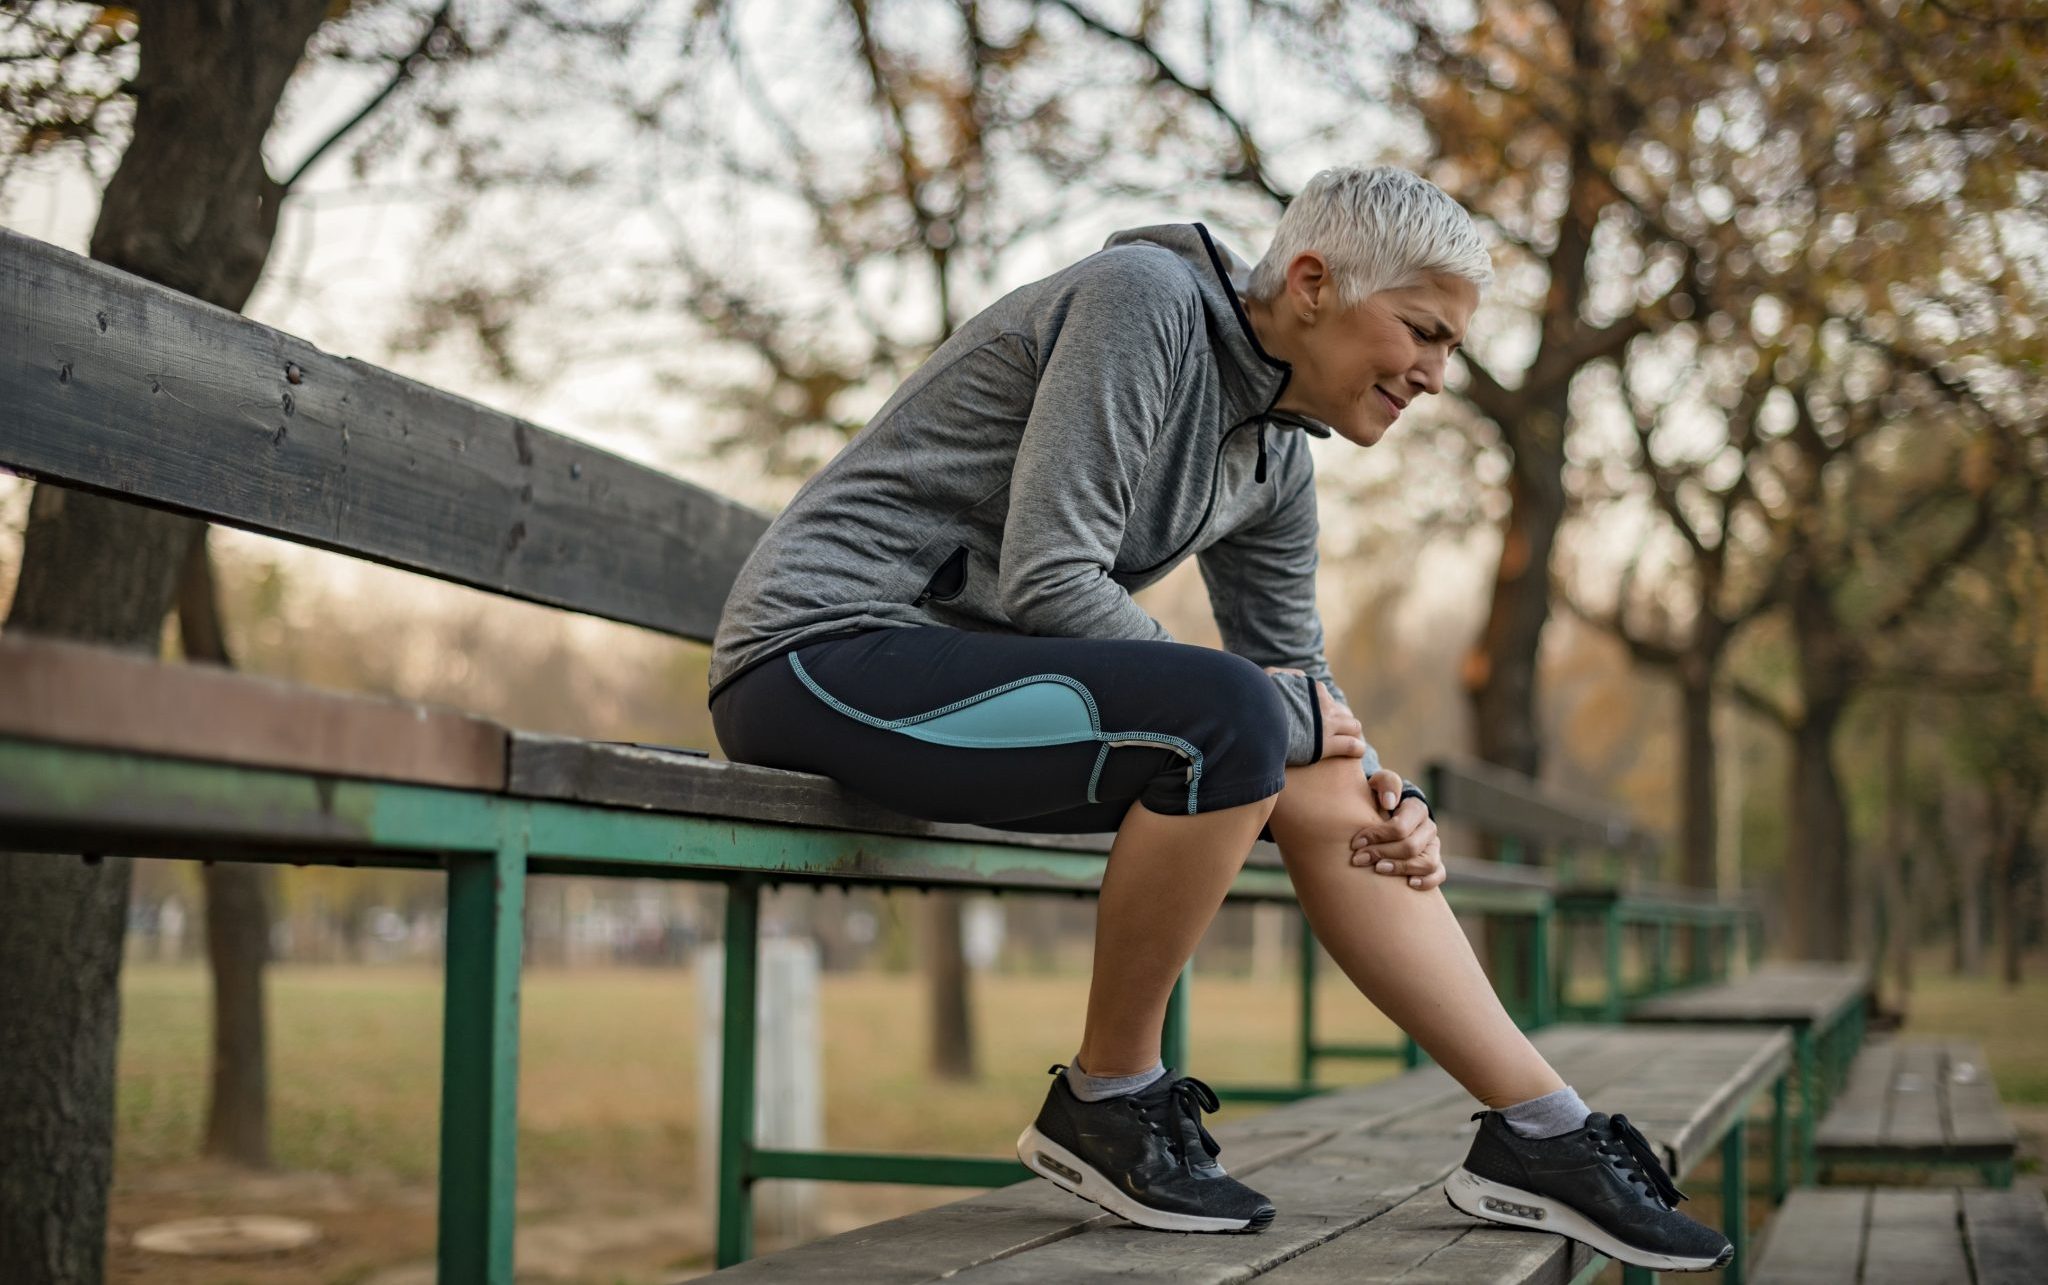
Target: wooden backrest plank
1490, 797
119, 385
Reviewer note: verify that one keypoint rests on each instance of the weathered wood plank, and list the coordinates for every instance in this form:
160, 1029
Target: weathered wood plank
1914, 1238
76, 694
122, 386
1816, 1238
1913, 1109
1425, 1240
2007, 1234
1357, 1184
1858, 1116
1976, 1119
1316, 1202
995, 1225
1489, 797
1799, 993
1921, 1097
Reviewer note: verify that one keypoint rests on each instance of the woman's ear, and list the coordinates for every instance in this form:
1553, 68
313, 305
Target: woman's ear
1308, 278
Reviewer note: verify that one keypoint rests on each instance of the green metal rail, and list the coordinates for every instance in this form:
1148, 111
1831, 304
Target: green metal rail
65, 799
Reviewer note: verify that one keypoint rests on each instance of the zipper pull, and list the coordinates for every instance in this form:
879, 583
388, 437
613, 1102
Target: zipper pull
1260, 474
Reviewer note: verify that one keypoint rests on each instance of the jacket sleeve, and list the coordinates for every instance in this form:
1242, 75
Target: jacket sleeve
1105, 382
1262, 588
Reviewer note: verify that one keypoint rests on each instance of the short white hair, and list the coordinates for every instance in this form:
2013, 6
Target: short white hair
1378, 229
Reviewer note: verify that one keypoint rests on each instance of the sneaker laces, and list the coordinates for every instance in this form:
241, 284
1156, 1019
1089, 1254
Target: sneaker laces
1176, 1115
1632, 1154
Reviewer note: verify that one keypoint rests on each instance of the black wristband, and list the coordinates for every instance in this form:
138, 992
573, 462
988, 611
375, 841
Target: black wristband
1315, 721
1409, 791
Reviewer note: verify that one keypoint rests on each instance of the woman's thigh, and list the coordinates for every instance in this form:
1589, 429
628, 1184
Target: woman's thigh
1016, 731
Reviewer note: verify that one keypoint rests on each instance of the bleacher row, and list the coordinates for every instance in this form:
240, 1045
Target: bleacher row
123, 387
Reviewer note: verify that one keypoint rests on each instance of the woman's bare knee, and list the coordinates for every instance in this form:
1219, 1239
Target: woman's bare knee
1329, 798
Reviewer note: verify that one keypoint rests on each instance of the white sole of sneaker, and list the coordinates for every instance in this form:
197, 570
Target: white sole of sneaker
1500, 1203
1048, 1159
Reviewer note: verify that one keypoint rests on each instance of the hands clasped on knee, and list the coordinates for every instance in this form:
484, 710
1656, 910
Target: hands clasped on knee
1405, 844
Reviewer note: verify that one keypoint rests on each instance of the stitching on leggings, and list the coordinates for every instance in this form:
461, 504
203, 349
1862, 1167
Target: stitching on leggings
1094, 720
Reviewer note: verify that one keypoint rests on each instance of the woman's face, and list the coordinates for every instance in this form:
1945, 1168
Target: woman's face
1358, 369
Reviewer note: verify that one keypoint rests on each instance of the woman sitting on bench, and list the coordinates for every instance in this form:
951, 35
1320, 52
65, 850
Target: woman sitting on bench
941, 620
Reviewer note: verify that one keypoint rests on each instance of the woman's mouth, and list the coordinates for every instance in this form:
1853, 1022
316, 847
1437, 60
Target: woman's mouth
1393, 407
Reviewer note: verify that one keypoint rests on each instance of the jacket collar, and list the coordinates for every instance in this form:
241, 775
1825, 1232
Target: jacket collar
1253, 378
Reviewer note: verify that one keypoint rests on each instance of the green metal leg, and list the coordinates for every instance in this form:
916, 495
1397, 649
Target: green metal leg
1506, 934
1173, 1034
1660, 960
1632, 1275
480, 1064
1611, 1010
1735, 1199
1809, 1111
736, 1074
1781, 1139
1305, 1063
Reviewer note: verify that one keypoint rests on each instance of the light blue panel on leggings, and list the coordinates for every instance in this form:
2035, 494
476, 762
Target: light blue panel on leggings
1047, 709
1036, 714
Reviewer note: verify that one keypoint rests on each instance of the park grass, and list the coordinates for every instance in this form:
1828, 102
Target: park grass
608, 1072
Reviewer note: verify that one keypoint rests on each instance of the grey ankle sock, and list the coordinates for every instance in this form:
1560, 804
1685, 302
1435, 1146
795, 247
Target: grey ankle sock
1094, 1088
1547, 1116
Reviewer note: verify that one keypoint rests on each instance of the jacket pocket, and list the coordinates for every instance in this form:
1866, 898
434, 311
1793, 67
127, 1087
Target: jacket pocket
947, 582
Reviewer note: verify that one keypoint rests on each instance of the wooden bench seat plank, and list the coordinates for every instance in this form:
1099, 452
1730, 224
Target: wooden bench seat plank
1976, 1118
76, 694
2006, 1231
1906, 1236
1858, 1115
1338, 1166
1798, 993
1914, 1238
1915, 1102
1919, 1095
1317, 1202
1815, 1238
1425, 1240
123, 386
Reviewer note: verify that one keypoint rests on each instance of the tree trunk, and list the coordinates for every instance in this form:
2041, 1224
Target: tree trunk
190, 206
1699, 799
237, 930
1902, 922
1500, 673
952, 1027
1816, 867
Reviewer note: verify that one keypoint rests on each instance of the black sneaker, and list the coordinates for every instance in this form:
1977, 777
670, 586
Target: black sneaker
1143, 1156
1601, 1184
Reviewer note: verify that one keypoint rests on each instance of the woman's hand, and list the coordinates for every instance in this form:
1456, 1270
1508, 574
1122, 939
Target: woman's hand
1343, 734
1406, 844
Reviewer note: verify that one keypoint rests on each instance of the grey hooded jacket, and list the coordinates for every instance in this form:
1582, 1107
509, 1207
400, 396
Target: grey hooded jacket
1068, 446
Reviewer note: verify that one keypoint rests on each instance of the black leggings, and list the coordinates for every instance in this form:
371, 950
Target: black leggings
1013, 731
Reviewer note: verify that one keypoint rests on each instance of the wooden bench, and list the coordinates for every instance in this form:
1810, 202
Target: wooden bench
1600, 859
1907, 1236
1824, 1005
117, 385
1357, 1176
1920, 1102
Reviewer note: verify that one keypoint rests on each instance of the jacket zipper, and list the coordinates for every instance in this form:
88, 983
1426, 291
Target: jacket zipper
1215, 483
